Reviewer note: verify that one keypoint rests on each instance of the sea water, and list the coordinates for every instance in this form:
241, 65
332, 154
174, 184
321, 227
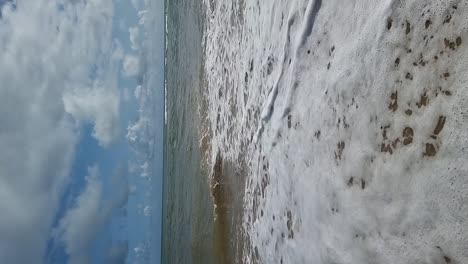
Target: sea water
187, 205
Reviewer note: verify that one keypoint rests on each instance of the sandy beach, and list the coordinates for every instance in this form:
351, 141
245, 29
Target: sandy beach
348, 121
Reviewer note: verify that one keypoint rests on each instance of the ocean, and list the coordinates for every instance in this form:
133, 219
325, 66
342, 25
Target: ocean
187, 209
187, 205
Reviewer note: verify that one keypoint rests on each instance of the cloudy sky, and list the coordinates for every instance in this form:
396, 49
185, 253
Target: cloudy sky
68, 78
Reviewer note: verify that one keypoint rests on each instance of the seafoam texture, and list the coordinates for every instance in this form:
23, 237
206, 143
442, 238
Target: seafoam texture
352, 118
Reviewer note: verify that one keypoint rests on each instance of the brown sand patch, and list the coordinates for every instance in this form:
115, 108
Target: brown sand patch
393, 101
430, 150
440, 125
408, 134
227, 190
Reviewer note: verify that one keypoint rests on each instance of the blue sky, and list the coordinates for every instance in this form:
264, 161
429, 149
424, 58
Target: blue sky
71, 187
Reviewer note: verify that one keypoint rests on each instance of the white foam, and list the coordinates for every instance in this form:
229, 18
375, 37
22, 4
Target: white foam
287, 70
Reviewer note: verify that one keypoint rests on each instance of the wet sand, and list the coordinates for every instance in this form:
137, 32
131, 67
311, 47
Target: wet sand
227, 190
227, 184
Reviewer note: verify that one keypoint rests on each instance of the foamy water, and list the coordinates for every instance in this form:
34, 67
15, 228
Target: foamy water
352, 117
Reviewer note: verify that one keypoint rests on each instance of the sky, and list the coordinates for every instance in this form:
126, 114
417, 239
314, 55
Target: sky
71, 179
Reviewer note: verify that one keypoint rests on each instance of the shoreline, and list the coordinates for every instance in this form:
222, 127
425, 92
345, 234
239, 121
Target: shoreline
225, 180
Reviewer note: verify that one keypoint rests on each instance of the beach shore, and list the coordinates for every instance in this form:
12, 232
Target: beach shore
350, 119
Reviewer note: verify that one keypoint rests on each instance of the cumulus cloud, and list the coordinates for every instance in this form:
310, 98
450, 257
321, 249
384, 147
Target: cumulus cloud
52, 62
98, 101
144, 210
143, 17
134, 37
78, 229
137, 92
136, 4
142, 252
97, 105
131, 65
140, 133
140, 136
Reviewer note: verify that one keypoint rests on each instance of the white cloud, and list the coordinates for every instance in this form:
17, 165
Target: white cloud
137, 92
49, 56
78, 229
97, 105
98, 101
134, 34
145, 173
136, 4
131, 65
143, 17
139, 135
144, 210
141, 252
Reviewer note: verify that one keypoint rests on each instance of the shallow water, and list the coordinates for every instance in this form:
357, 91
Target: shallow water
186, 211
193, 232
